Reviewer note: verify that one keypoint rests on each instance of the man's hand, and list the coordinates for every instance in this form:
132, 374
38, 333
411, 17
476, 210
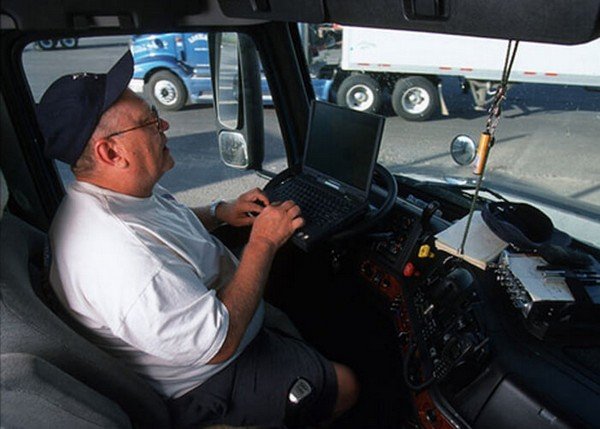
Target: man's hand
276, 224
236, 213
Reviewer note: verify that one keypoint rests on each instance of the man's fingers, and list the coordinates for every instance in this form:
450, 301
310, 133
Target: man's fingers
287, 205
297, 223
260, 196
251, 207
255, 195
294, 211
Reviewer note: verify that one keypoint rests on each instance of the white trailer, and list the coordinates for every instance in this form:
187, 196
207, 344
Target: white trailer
410, 65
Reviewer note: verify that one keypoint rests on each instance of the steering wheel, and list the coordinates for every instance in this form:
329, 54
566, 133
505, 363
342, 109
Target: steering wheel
389, 183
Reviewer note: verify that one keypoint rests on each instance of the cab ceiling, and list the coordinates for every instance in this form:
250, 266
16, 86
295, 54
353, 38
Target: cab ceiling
557, 21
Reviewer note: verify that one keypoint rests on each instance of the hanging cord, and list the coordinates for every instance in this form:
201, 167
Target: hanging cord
495, 110
486, 140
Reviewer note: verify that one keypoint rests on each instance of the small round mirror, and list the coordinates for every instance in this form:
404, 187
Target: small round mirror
463, 149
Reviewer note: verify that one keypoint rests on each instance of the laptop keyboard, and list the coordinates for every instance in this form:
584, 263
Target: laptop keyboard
320, 206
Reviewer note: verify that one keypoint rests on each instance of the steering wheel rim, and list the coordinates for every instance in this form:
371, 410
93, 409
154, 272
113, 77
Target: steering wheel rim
372, 218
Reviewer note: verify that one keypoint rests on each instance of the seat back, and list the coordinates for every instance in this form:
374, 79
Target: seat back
28, 326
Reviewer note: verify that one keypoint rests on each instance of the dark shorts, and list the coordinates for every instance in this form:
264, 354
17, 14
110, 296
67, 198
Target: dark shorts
254, 388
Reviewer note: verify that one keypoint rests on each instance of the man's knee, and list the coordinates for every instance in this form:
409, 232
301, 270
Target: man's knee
348, 388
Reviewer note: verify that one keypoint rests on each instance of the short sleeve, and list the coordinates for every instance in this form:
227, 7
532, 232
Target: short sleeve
176, 318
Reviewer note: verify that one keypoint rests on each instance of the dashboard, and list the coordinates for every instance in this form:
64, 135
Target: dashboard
470, 356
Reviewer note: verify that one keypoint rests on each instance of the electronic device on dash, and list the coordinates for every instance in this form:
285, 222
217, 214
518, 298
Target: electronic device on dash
333, 183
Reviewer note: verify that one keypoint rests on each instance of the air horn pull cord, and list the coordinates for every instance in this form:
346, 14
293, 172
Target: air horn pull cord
486, 139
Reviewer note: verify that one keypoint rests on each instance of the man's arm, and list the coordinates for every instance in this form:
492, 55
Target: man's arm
273, 227
209, 221
235, 212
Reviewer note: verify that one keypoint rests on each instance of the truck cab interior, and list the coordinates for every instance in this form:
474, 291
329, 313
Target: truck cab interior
438, 339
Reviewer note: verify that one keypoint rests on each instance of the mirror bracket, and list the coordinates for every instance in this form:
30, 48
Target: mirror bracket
238, 100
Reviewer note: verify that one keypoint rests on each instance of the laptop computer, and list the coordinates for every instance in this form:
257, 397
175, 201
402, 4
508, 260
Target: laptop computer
332, 184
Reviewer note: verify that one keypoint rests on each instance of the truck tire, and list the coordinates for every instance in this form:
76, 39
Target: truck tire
415, 98
46, 44
69, 43
359, 92
167, 91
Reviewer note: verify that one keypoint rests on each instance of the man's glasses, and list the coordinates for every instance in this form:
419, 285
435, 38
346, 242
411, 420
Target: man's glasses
156, 121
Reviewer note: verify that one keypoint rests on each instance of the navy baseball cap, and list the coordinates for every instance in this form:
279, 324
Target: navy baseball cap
71, 107
522, 225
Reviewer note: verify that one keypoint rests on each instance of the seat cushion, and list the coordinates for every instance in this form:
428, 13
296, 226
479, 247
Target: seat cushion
35, 393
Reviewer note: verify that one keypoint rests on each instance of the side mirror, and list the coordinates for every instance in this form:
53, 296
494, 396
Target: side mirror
237, 91
463, 149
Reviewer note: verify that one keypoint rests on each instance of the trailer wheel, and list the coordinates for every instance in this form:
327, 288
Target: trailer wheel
359, 92
46, 44
415, 98
69, 43
167, 91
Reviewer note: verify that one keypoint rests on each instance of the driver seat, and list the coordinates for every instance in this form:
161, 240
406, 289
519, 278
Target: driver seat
51, 375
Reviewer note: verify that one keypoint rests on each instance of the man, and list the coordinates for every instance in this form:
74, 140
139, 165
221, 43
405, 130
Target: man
154, 287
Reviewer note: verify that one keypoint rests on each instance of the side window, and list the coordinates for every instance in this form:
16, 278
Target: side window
179, 85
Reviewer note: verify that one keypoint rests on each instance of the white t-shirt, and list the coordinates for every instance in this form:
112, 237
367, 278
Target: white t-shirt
142, 274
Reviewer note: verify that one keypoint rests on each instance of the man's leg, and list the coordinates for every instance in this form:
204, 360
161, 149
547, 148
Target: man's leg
258, 388
348, 389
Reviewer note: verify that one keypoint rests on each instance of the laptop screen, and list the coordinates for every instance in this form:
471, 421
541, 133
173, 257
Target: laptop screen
343, 143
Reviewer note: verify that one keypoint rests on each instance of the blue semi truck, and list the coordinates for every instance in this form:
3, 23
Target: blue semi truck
173, 69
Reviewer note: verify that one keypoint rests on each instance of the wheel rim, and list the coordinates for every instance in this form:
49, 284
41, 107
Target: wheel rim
415, 100
360, 97
46, 44
68, 43
166, 92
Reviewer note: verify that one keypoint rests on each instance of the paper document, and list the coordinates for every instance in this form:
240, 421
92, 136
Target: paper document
482, 245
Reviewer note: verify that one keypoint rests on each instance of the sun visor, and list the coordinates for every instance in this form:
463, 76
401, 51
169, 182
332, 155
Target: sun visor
559, 21
275, 10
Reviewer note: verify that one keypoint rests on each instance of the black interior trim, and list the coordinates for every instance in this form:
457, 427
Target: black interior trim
558, 21
274, 42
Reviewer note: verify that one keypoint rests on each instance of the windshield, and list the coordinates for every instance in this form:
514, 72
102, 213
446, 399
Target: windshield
432, 88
